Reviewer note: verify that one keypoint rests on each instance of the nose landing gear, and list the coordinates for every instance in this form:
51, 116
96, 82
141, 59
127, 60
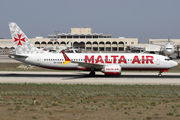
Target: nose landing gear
160, 72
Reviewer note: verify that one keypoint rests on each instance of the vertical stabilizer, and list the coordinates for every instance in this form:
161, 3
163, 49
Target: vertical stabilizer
21, 42
169, 37
69, 44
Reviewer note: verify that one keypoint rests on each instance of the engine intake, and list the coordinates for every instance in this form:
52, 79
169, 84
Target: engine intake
111, 70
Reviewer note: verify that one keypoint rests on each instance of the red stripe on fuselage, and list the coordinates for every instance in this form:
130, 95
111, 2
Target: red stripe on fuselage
143, 69
111, 73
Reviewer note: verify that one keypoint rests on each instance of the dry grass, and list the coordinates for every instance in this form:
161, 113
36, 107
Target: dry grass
87, 102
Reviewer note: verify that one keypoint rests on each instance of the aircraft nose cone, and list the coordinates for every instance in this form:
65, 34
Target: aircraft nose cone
174, 64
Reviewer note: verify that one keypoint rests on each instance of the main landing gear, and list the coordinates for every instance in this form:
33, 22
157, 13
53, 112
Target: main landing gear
160, 74
92, 73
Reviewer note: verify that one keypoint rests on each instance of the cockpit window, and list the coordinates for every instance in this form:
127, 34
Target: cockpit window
168, 48
167, 59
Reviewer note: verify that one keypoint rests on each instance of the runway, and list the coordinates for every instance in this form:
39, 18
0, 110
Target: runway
83, 78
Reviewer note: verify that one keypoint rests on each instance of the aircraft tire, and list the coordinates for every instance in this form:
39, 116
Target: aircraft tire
160, 74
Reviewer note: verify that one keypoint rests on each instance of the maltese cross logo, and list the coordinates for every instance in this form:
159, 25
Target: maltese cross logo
19, 39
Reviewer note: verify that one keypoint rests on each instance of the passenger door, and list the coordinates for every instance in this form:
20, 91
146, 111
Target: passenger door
157, 60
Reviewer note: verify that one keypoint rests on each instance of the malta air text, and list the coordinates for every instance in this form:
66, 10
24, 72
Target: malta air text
119, 59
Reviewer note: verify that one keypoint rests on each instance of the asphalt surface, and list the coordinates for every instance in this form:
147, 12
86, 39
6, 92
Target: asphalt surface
83, 77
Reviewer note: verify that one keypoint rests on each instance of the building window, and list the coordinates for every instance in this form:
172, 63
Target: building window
108, 48
114, 48
95, 48
88, 36
125, 42
95, 36
121, 48
132, 42
101, 48
82, 36
88, 48
69, 36
63, 36
76, 36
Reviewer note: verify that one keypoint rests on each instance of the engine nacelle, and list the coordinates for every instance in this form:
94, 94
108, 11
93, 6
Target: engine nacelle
111, 70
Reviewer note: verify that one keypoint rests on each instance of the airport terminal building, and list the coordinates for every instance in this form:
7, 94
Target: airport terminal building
164, 41
82, 38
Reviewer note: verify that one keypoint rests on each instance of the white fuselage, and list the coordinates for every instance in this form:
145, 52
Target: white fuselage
127, 61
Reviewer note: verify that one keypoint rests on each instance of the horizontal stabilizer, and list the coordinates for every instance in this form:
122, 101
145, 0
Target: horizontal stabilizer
25, 56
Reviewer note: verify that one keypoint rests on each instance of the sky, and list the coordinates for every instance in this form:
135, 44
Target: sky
142, 19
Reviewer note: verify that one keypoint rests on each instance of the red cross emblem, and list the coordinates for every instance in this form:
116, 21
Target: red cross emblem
19, 39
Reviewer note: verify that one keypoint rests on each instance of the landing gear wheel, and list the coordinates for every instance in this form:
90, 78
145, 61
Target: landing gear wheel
160, 74
92, 73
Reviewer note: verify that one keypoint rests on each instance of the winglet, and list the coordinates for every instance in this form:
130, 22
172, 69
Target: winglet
21, 42
67, 60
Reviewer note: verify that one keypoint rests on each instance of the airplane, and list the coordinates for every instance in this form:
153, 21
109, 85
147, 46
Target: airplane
108, 63
58, 48
168, 48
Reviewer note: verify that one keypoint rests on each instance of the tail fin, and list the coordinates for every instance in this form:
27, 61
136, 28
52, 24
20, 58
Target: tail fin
22, 44
69, 44
169, 36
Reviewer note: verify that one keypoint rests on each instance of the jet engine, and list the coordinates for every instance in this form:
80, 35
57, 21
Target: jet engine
111, 70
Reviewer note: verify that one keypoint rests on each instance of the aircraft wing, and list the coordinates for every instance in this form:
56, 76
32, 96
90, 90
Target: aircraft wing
89, 65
